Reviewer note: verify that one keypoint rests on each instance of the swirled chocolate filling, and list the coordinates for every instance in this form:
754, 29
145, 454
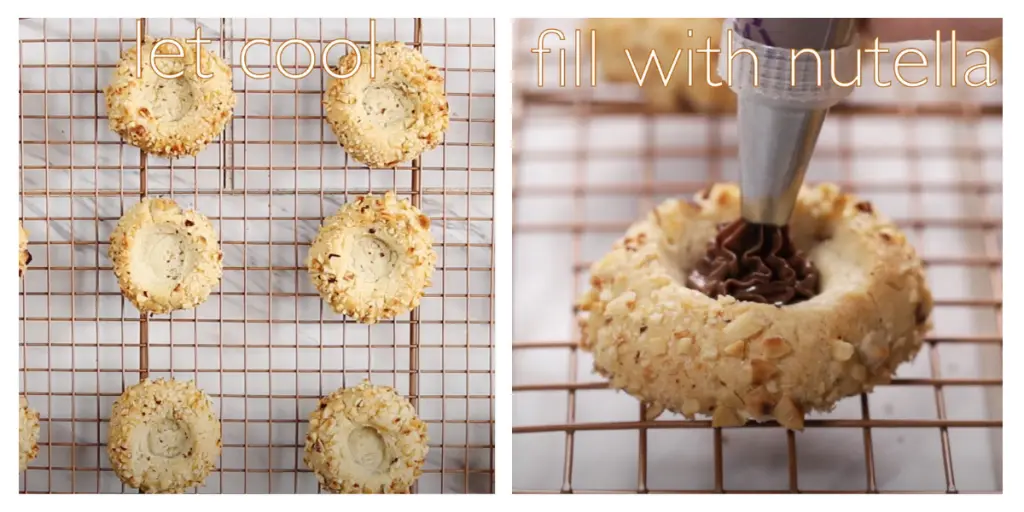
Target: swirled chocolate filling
755, 263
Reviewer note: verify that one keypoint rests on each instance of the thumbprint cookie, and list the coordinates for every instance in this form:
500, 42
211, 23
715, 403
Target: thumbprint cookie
173, 115
697, 313
165, 258
374, 258
394, 115
164, 436
366, 439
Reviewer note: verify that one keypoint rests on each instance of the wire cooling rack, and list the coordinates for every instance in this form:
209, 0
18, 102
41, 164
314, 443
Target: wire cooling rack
588, 162
264, 346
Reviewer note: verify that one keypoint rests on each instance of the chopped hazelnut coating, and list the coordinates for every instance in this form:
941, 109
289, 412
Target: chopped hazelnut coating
374, 258
28, 434
680, 350
366, 439
393, 116
24, 257
164, 436
170, 117
165, 258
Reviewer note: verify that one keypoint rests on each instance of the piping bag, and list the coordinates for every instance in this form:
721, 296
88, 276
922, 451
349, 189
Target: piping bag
780, 117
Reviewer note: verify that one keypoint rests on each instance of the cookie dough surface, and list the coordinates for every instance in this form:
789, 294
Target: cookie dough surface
679, 350
374, 258
165, 258
366, 439
170, 117
664, 35
28, 435
164, 436
24, 257
392, 117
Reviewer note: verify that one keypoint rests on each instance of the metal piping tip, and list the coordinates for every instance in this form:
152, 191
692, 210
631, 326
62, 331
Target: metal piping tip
775, 151
780, 118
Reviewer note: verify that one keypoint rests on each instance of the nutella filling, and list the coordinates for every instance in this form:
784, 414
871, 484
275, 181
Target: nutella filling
755, 263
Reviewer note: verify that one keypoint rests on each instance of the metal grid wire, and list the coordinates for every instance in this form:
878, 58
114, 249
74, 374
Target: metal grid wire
264, 346
588, 162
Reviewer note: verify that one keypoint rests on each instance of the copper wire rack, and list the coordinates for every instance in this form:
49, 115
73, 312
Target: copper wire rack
589, 161
264, 346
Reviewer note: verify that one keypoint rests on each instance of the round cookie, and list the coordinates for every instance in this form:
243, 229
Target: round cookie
164, 436
664, 35
28, 435
170, 117
165, 258
366, 439
374, 258
393, 117
680, 350
24, 257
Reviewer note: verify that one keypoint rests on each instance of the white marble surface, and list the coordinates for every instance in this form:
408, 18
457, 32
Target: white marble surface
267, 201
753, 458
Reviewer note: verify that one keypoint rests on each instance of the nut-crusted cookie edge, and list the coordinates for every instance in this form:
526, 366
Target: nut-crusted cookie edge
200, 282
130, 122
681, 351
422, 133
404, 223
381, 408
130, 410
28, 434
24, 257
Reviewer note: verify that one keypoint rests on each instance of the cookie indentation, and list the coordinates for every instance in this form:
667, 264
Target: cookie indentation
165, 258
387, 106
168, 438
368, 449
373, 259
173, 100
392, 117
